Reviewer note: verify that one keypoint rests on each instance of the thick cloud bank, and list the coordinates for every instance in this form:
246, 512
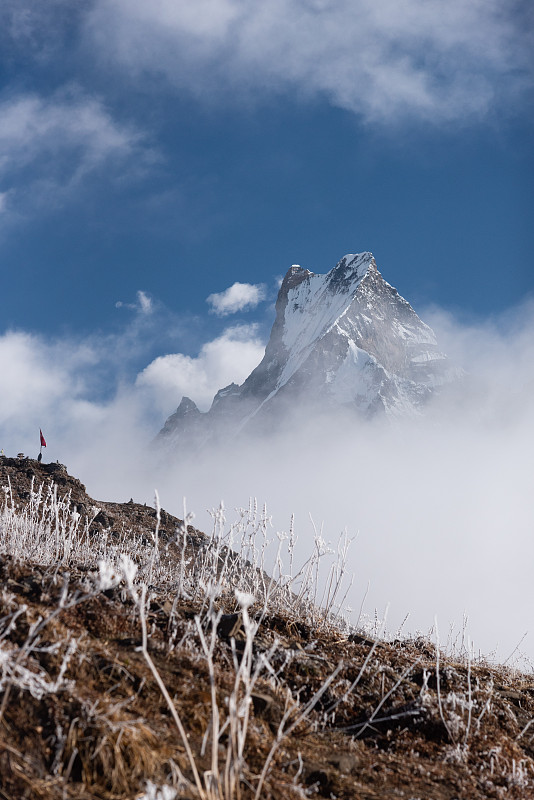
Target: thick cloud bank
440, 61
437, 60
441, 506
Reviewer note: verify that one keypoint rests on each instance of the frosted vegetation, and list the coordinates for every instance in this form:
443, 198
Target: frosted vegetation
229, 564
227, 567
50, 532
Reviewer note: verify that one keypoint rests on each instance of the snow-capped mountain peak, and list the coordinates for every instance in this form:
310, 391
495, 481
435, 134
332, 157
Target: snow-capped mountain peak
316, 303
344, 338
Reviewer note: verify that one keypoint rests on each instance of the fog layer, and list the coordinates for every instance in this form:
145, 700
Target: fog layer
440, 505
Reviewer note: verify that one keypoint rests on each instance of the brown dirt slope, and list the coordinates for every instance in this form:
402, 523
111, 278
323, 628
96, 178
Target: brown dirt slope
81, 715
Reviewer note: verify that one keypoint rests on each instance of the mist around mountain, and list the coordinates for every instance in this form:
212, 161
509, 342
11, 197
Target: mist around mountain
438, 503
356, 420
400, 666
341, 341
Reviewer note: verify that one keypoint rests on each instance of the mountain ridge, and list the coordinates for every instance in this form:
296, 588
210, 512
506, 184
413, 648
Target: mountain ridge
344, 339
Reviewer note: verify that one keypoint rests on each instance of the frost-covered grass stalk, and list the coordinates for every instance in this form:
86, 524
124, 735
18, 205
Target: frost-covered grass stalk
226, 571
227, 782
236, 556
48, 531
227, 568
17, 667
222, 781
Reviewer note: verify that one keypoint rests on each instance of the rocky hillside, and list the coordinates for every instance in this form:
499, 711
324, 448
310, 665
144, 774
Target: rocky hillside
141, 658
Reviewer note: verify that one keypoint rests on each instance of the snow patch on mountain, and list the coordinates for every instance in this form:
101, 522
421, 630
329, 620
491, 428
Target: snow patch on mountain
342, 339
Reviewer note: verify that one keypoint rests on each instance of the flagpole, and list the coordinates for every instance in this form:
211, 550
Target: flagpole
42, 444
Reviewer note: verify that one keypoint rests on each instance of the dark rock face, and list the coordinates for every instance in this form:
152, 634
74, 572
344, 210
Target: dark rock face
345, 339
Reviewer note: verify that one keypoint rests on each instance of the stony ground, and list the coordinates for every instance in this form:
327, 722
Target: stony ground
81, 714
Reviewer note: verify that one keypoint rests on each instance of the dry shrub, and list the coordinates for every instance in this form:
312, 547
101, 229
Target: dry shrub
111, 754
256, 708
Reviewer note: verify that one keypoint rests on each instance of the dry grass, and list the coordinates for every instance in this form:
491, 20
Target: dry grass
331, 712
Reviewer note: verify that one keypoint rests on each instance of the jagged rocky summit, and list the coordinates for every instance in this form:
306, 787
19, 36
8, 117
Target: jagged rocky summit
344, 339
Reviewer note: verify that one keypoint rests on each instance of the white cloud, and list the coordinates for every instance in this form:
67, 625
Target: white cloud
97, 419
442, 506
144, 303
45, 384
238, 297
33, 126
49, 146
35, 27
227, 359
68, 384
36, 374
56, 385
432, 59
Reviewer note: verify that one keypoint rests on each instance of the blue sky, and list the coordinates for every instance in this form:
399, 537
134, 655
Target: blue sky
154, 155
163, 163
175, 151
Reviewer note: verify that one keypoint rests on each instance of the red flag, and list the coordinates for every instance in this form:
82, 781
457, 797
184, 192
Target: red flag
43, 442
